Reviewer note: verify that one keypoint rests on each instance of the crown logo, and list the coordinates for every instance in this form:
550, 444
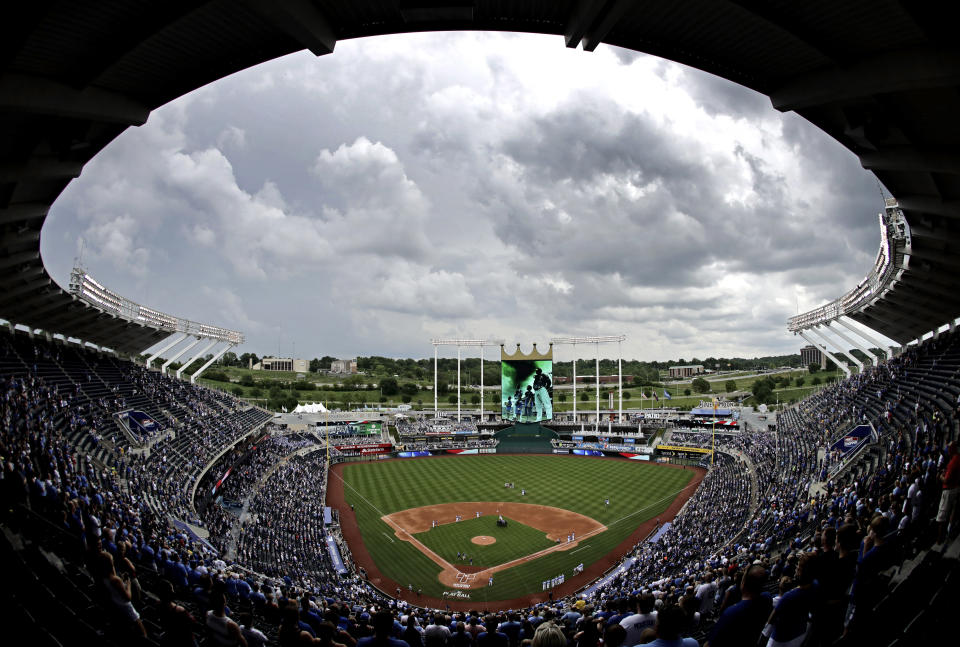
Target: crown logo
532, 355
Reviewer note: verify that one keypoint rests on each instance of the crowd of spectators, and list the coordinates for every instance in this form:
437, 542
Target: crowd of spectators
425, 426
285, 534
775, 526
454, 443
598, 445
247, 465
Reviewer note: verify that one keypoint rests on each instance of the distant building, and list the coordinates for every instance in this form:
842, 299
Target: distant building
686, 371
343, 366
591, 379
281, 364
812, 355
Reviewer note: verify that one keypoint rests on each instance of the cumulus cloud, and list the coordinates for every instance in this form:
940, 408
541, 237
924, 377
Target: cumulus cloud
382, 211
232, 137
475, 184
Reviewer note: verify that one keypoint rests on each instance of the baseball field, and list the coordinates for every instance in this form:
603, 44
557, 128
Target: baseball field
430, 524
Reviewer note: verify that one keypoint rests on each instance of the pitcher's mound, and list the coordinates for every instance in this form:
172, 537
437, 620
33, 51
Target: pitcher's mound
484, 540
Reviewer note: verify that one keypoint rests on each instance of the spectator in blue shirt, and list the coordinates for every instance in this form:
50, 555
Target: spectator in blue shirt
789, 622
512, 628
382, 622
742, 623
670, 622
491, 637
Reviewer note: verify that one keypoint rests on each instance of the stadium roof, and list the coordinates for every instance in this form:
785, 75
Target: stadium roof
879, 76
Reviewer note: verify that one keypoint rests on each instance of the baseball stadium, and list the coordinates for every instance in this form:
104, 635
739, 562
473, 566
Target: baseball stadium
153, 497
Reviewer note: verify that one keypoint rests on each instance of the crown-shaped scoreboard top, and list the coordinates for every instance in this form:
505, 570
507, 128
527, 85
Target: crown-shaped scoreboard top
532, 355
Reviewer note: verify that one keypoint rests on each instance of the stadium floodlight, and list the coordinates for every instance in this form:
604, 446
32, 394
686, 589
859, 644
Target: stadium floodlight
893, 259
90, 291
602, 339
458, 343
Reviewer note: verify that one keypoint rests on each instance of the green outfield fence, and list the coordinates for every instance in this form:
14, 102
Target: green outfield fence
525, 438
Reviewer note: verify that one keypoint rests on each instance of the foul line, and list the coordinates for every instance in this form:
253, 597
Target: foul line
581, 548
441, 562
388, 537
359, 495
658, 501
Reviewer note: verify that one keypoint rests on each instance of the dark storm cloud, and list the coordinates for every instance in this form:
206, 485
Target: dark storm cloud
856, 193
625, 56
473, 185
587, 138
680, 225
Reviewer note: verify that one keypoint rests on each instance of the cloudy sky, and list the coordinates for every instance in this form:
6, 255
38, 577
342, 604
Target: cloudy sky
474, 184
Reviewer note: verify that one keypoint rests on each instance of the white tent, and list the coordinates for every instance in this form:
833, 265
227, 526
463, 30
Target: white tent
310, 408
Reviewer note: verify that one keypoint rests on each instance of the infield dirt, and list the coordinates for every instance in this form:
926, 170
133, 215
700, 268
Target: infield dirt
556, 523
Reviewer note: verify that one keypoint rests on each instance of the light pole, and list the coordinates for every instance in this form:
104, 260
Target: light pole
458, 343
606, 339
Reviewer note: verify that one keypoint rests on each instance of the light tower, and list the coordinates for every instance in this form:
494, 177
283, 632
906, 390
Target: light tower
604, 339
459, 343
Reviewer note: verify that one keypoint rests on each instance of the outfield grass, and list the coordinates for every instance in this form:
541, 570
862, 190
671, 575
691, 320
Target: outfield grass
513, 542
637, 491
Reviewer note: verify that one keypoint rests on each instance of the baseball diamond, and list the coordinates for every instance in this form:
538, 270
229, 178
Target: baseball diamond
403, 527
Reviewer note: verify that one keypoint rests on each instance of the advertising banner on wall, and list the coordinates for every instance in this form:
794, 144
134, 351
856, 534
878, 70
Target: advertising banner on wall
682, 451
852, 439
364, 450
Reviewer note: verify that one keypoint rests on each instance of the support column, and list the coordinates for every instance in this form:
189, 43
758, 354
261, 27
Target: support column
481, 382
620, 379
574, 383
458, 382
823, 349
163, 368
840, 349
436, 387
853, 342
174, 339
197, 356
886, 350
216, 356
598, 389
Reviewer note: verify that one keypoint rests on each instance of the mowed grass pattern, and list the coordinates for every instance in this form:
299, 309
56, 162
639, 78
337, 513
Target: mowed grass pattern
514, 541
637, 491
